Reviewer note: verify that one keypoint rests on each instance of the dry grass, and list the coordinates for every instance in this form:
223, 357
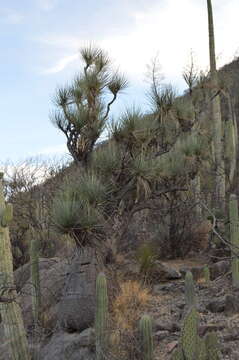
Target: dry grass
129, 304
127, 308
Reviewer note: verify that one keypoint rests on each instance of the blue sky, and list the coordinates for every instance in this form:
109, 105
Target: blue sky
39, 51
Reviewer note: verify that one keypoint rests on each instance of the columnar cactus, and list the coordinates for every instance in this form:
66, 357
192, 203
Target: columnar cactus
201, 349
213, 351
230, 144
190, 295
35, 278
9, 308
189, 337
146, 337
101, 315
191, 346
234, 238
206, 274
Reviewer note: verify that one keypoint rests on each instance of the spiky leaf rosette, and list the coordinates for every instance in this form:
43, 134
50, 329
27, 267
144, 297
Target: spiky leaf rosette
190, 334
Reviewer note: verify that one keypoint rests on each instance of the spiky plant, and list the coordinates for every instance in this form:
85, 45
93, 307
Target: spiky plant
9, 307
101, 317
190, 294
146, 337
78, 207
82, 111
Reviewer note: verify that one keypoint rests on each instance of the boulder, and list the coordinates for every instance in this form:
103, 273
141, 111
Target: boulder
231, 304
219, 268
52, 279
23, 273
163, 272
77, 306
74, 346
217, 305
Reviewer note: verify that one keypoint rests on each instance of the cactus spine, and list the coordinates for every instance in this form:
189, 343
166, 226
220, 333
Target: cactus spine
9, 308
146, 336
101, 315
190, 295
234, 238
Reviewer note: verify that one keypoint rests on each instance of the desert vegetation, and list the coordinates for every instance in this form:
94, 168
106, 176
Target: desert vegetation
130, 250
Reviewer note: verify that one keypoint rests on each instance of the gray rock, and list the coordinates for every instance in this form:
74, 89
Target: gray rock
75, 346
217, 305
77, 306
160, 325
22, 274
160, 335
52, 281
197, 271
163, 272
231, 304
219, 268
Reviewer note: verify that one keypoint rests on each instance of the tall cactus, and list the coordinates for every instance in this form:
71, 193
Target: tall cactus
9, 308
234, 238
35, 278
146, 337
189, 336
101, 316
190, 295
216, 118
36, 291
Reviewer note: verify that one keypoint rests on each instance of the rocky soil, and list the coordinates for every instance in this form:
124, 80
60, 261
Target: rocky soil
218, 307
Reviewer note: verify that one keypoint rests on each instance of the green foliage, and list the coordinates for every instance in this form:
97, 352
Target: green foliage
101, 317
106, 160
81, 110
190, 290
146, 336
146, 258
78, 207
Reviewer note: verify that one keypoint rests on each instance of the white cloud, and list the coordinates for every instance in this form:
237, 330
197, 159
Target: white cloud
61, 64
170, 28
47, 5
11, 17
